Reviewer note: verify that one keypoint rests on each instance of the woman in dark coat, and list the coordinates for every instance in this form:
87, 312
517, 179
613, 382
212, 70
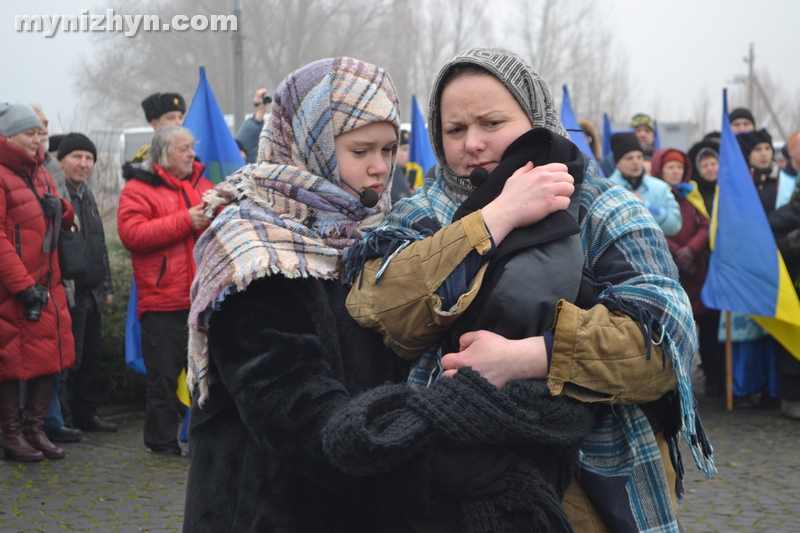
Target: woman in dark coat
272, 349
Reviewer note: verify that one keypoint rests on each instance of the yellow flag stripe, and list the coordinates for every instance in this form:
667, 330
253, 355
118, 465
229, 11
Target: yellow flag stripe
696, 199
182, 390
785, 326
414, 167
713, 231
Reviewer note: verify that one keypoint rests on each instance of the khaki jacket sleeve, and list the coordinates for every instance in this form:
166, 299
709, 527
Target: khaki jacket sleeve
403, 306
600, 356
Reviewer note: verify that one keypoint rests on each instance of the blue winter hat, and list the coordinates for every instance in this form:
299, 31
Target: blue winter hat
16, 118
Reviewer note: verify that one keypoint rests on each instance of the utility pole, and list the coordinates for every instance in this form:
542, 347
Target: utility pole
752, 85
750, 79
238, 68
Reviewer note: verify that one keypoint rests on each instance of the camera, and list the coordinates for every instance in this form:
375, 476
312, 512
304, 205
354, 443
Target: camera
49, 205
266, 98
33, 298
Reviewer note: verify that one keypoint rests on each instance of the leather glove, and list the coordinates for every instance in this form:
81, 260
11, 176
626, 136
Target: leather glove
33, 295
684, 258
470, 474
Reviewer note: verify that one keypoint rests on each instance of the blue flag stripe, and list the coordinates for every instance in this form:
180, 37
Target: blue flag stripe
420, 150
743, 273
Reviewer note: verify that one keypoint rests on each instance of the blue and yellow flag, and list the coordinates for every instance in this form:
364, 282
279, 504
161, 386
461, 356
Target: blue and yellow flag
215, 145
746, 273
133, 347
571, 124
420, 155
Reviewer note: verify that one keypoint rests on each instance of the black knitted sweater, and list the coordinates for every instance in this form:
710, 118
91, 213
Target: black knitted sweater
384, 427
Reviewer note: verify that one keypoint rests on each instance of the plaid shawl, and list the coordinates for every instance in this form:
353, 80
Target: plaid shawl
288, 214
623, 446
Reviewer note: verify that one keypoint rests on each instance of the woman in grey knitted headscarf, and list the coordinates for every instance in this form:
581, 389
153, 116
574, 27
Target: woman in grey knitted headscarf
628, 338
525, 84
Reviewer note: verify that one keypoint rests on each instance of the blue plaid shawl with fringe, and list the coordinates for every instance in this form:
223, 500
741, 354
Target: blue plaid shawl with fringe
622, 446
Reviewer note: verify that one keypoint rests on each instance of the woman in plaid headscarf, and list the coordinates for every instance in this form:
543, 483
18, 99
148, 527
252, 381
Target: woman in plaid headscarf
272, 350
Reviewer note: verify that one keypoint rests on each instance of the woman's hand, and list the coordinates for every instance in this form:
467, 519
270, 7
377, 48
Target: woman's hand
528, 196
498, 359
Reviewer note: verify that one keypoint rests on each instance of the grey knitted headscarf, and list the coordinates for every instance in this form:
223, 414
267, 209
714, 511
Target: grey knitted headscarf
527, 86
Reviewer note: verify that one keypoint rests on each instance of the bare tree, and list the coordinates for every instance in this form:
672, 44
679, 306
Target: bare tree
568, 42
702, 121
281, 35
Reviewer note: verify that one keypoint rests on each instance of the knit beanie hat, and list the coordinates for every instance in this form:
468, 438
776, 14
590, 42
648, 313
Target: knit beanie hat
16, 118
623, 143
673, 155
742, 112
75, 141
157, 104
643, 120
54, 142
748, 141
524, 83
405, 137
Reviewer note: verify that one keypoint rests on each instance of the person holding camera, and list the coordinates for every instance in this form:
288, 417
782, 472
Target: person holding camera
35, 328
250, 131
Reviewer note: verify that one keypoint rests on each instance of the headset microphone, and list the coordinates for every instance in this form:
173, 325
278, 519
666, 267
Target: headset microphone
478, 176
368, 198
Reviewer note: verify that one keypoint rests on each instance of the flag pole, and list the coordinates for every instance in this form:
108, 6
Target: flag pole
728, 362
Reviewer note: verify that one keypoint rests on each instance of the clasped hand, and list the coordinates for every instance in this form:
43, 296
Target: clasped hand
498, 359
528, 196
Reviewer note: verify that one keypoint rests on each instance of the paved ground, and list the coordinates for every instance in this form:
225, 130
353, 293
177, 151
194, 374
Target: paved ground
757, 453
111, 483
107, 482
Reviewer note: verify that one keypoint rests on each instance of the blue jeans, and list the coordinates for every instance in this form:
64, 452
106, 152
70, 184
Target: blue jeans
53, 420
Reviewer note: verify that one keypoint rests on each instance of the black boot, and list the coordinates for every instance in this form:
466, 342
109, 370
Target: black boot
13, 441
39, 392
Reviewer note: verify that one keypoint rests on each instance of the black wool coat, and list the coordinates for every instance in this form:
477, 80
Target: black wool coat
284, 357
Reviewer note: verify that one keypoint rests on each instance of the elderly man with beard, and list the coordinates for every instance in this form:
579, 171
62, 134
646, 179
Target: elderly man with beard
160, 218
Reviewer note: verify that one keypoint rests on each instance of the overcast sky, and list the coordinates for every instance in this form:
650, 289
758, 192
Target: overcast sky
676, 50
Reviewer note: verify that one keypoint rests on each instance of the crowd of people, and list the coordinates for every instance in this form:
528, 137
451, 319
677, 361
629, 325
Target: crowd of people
507, 349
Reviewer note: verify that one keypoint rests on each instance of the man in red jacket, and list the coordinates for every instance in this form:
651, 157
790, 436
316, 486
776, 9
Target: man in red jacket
160, 218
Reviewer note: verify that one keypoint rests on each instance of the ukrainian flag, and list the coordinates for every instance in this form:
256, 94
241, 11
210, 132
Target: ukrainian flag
420, 155
746, 273
215, 145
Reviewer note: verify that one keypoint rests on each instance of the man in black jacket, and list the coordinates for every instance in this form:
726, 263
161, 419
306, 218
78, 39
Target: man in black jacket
93, 292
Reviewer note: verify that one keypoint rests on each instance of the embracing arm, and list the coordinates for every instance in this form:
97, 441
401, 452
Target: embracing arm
601, 356
404, 306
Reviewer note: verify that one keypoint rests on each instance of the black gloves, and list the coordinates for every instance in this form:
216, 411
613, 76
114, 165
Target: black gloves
33, 298
470, 474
